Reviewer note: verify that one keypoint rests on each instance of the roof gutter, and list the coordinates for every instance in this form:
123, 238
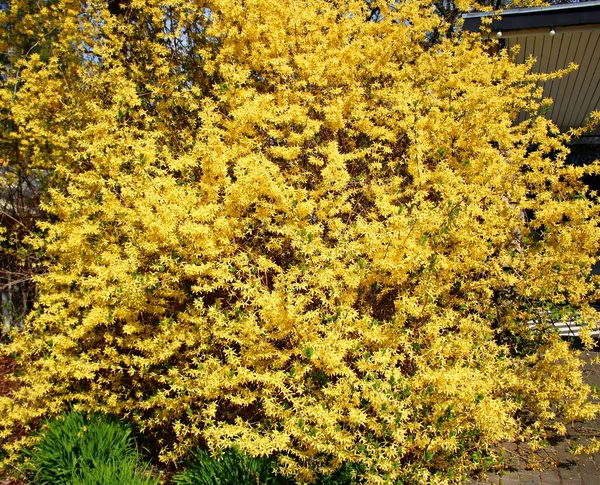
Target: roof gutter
567, 15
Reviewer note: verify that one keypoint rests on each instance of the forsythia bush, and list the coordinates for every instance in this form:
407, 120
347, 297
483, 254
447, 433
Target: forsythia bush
298, 229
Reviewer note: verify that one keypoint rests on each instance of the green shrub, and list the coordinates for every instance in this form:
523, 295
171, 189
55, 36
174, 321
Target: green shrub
81, 450
232, 468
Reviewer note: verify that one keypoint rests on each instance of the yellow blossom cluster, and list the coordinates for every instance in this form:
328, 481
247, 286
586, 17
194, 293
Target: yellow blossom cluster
291, 228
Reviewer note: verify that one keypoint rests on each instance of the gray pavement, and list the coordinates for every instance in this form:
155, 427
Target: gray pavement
554, 465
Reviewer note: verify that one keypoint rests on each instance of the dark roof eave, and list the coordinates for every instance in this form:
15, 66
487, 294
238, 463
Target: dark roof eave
538, 18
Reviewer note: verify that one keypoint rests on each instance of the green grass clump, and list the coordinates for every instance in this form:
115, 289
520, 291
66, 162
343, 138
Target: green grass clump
235, 468
231, 468
80, 450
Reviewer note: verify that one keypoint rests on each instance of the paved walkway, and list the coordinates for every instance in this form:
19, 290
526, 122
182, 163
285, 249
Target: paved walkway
559, 466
